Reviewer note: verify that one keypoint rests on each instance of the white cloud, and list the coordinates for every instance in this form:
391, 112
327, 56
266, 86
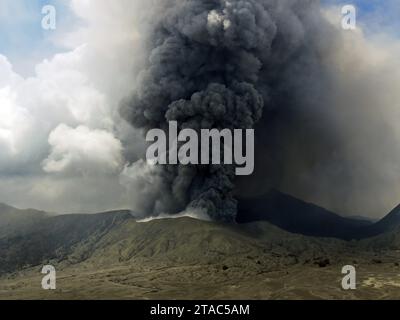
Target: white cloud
7, 75
31, 108
60, 130
83, 151
62, 143
14, 122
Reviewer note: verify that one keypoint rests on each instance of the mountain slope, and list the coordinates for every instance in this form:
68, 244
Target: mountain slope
116, 237
193, 241
297, 216
111, 255
13, 220
30, 238
53, 238
387, 224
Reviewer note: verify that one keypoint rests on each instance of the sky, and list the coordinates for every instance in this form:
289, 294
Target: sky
60, 145
374, 15
25, 43
63, 146
22, 38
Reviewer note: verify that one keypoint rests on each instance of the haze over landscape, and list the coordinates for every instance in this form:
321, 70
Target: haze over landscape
328, 133
113, 256
75, 106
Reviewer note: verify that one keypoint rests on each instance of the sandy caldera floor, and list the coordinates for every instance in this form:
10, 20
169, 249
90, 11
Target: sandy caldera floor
374, 281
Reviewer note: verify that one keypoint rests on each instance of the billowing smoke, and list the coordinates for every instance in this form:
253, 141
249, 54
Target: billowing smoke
217, 64
331, 136
328, 100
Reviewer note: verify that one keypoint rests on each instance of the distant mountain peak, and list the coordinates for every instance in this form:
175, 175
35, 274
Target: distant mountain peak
4, 206
297, 216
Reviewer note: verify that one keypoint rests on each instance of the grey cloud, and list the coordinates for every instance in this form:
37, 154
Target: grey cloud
215, 64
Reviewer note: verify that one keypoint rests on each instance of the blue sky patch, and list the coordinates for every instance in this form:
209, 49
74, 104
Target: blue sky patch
25, 43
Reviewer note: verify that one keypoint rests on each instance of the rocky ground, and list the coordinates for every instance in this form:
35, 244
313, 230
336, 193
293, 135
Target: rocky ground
191, 259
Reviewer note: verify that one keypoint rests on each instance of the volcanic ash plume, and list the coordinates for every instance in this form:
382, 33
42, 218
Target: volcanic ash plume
209, 65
